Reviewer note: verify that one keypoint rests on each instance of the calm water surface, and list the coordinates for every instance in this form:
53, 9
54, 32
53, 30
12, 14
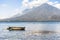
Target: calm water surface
28, 35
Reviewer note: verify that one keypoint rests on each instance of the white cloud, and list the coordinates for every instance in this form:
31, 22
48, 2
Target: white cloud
33, 3
51, 3
4, 5
28, 5
55, 4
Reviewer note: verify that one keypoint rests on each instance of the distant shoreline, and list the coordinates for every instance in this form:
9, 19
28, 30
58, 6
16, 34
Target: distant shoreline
29, 21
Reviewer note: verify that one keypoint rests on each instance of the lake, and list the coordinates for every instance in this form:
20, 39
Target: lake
27, 34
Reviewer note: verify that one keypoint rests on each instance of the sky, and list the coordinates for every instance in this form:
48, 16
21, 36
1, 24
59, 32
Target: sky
9, 8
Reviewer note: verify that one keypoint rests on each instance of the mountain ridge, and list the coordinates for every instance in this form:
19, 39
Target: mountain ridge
44, 12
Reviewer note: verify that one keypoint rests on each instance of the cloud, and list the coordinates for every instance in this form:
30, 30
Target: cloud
55, 4
33, 3
51, 3
4, 5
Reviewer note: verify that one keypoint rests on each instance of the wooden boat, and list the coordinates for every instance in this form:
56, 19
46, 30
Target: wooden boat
15, 28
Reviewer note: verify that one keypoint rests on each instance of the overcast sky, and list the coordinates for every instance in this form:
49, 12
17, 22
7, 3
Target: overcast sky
8, 8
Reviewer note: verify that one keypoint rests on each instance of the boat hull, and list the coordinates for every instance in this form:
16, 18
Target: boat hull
16, 28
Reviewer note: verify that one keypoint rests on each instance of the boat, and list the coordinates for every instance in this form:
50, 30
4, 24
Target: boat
15, 28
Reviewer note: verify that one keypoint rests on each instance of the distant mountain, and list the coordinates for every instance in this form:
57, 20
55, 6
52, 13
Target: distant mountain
44, 12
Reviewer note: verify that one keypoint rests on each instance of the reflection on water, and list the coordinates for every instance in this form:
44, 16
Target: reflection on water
30, 32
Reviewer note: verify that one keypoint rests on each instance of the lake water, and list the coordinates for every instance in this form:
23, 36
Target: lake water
28, 34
